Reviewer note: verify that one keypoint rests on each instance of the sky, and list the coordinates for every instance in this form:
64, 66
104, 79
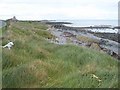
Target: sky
59, 9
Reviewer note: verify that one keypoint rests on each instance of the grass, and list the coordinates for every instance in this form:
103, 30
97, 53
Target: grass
86, 39
33, 62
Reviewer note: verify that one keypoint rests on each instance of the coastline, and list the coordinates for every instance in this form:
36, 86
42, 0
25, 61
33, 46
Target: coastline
37, 61
107, 42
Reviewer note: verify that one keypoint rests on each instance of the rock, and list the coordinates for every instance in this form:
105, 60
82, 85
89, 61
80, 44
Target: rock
110, 52
102, 41
68, 34
88, 44
95, 46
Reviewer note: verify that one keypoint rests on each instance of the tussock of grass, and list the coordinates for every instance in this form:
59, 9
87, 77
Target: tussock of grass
34, 62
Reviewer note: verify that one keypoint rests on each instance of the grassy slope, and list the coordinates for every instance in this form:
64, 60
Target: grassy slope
34, 62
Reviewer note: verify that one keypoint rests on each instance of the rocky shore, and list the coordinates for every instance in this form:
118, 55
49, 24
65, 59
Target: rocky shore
110, 36
106, 42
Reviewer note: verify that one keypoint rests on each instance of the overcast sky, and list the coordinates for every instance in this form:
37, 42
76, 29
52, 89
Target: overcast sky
59, 9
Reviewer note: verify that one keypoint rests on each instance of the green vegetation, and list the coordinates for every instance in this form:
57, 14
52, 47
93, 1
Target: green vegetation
86, 39
34, 62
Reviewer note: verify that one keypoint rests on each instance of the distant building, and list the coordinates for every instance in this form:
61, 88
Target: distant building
9, 21
12, 19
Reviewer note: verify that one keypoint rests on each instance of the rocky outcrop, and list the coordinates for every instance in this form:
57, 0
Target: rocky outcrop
95, 46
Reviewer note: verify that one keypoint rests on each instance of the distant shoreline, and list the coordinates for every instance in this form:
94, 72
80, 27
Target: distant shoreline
106, 35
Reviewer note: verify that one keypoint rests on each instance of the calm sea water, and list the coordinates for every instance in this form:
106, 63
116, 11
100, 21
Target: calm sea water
91, 22
2, 23
78, 23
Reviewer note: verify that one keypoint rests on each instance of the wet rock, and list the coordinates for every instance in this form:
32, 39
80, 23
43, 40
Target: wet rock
110, 52
102, 41
88, 44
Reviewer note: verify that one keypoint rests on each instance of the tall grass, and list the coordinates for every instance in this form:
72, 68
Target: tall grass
34, 62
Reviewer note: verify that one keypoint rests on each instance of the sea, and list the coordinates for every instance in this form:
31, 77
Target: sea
2, 23
82, 23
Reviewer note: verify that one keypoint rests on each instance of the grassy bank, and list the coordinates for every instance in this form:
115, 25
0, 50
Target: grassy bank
34, 62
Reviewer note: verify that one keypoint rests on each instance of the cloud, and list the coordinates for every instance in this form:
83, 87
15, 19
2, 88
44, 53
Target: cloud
59, 9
